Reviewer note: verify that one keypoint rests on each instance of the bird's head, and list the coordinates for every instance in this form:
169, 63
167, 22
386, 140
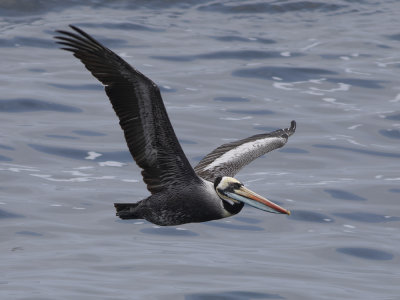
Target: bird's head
234, 195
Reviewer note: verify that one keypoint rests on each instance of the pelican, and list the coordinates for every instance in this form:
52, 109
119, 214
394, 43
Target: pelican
179, 193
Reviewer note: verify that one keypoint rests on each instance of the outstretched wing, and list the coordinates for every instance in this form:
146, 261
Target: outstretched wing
138, 104
229, 158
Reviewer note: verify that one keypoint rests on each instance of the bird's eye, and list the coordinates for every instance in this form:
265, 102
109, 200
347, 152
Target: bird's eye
237, 185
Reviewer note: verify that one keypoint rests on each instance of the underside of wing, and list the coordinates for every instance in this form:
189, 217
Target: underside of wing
229, 158
138, 104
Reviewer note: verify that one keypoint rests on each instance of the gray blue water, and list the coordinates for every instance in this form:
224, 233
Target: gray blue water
227, 70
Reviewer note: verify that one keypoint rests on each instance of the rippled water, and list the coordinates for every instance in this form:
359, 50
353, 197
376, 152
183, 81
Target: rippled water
227, 70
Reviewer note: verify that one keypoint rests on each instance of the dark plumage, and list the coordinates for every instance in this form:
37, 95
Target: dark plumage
180, 194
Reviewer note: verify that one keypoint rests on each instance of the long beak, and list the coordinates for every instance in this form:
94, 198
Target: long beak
249, 197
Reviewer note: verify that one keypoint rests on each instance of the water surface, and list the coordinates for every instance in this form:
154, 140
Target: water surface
227, 70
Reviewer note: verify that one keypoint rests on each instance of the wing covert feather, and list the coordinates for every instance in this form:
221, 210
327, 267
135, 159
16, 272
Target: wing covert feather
228, 159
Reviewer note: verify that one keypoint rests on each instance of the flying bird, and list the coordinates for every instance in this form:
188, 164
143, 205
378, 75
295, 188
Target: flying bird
179, 193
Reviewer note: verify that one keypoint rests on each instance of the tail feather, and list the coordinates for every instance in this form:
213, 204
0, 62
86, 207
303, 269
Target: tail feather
127, 210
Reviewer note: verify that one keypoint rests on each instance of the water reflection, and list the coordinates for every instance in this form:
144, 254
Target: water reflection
78, 87
390, 133
233, 226
88, 133
395, 37
265, 128
310, 216
235, 38
7, 215
188, 142
344, 195
231, 99
293, 150
362, 151
23, 41
168, 231
239, 54
394, 117
29, 233
29, 105
232, 295
5, 158
251, 111
366, 253
61, 151
364, 83
5, 147
288, 74
57, 136
120, 26
271, 8
366, 217
36, 70
120, 156
247, 220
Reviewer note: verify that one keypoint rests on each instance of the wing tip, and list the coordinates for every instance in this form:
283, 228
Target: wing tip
292, 129
293, 125
64, 32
